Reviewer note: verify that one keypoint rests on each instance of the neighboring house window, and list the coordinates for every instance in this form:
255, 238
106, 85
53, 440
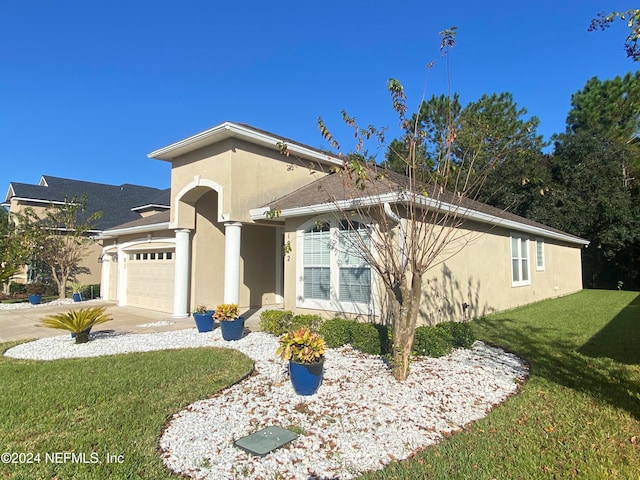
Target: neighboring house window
335, 276
539, 254
519, 261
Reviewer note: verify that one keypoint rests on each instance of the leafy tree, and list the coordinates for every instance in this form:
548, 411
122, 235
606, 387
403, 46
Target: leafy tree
437, 122
58, 239
491, 132
611, 108
632, 17
12, 255
416, 218
495, 138
590, 199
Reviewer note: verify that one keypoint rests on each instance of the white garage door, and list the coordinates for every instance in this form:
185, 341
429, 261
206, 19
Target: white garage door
150, 275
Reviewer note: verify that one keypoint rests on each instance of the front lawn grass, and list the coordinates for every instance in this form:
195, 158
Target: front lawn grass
113, 405
578, 416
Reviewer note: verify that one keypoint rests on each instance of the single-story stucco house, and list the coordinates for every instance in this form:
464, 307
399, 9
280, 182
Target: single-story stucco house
250, 223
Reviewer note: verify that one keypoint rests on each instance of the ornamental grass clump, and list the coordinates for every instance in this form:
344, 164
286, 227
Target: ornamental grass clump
301, 346
78, 322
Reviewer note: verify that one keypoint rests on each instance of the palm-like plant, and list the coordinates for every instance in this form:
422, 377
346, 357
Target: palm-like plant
78, 322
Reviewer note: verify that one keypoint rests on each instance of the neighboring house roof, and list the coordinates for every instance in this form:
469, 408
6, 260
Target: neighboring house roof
152, 223
326, 193
114, 201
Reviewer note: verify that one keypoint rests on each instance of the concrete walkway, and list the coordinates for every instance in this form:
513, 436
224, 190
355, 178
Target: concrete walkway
20, 323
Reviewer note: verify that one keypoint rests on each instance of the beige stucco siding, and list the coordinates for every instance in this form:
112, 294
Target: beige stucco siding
474, 269
257, 259
207, 254
249, 176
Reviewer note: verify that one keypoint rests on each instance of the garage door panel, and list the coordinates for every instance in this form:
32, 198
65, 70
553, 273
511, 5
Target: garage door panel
150, 284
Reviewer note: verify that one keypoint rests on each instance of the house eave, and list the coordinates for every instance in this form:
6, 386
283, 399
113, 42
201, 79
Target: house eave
116, 232
150, 206
227, 130
467, 214
38, 200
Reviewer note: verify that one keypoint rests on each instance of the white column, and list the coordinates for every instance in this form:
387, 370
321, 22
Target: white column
232, 262
182, 274
105, 275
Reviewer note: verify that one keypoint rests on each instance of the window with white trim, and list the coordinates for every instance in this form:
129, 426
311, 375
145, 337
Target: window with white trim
520, 261
539, 255
334, 270
317, 262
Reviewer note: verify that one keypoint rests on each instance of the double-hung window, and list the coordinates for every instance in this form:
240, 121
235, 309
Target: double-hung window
317, 262
335, 272
355, 275
520, 261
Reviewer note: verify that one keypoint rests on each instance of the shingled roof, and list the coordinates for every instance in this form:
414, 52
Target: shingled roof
332, 188
114, 201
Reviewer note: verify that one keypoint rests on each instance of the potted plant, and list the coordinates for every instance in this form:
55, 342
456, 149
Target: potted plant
77, 288
203, 318
304, 350
78, 322
35, 291
231, 323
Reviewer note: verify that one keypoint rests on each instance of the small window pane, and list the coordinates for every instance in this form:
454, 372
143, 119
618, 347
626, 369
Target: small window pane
355, 285
169, 255
540, 254
317, 282
317, 248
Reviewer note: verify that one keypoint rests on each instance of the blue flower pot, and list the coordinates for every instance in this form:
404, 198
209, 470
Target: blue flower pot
35, 299
204, 322
232, 329
77, 297
306, 377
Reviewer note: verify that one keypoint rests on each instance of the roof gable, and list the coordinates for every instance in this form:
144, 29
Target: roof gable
247, 133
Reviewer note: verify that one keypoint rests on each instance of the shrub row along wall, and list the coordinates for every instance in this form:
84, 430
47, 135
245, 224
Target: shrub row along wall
370, 338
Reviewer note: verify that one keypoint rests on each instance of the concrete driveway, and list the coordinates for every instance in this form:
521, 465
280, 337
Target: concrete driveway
20, 323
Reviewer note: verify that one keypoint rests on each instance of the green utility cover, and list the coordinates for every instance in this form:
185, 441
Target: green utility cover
266, 440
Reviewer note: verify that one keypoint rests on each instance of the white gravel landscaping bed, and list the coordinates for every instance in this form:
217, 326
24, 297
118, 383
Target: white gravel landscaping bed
361, 418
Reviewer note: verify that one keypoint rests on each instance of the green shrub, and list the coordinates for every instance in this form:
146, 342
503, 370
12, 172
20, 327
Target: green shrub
366, 338
92, 291
16, 288
336, 332
312, 322
432, 342
461, 333
276, 322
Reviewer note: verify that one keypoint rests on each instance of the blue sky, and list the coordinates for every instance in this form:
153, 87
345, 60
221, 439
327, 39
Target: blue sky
88, 89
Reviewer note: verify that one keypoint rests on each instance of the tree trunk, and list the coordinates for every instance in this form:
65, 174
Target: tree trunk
404, 327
